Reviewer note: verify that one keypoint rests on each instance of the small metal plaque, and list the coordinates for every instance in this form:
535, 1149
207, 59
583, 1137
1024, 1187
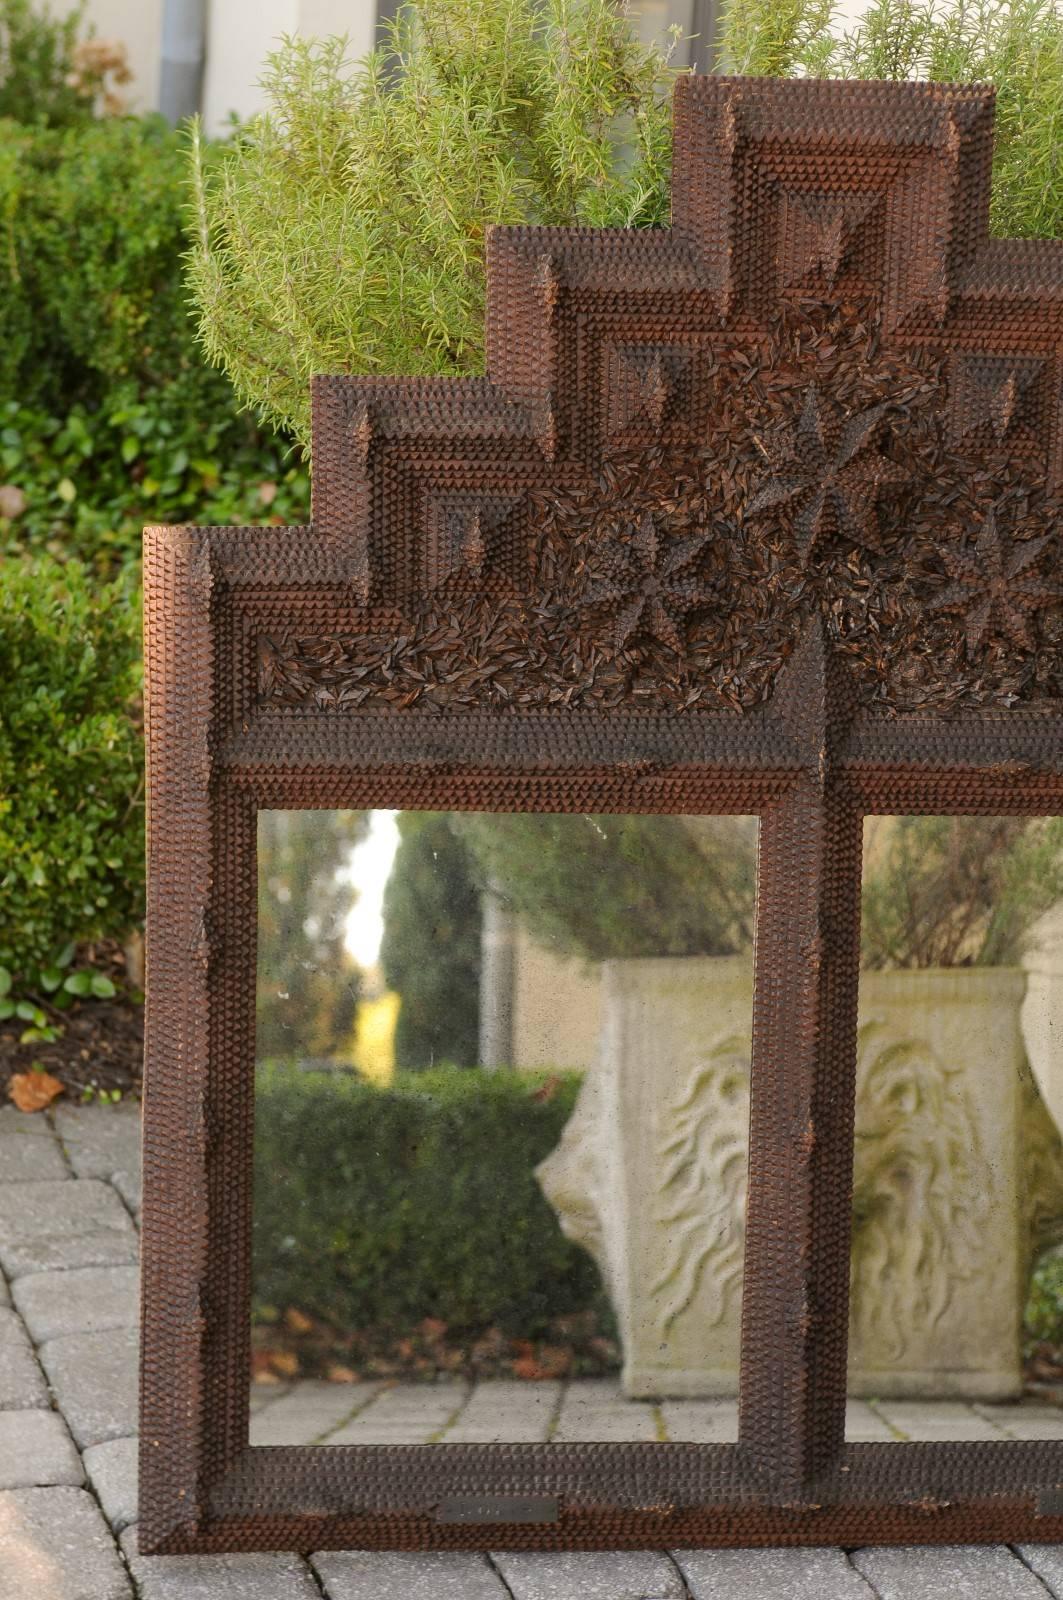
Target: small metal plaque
498, 1508
1050, 1502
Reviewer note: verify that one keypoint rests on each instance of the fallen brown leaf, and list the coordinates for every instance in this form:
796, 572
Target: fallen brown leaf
32, 1091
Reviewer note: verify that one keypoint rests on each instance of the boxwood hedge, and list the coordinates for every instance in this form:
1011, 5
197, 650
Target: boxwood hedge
375, 1208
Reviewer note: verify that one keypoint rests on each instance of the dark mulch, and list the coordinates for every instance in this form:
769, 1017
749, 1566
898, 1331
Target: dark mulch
102, 1043
293, 1345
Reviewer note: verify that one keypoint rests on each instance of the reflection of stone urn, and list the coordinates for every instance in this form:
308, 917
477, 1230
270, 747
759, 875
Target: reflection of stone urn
651, 1176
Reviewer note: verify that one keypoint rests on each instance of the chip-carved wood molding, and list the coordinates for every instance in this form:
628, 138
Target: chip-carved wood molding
759, 513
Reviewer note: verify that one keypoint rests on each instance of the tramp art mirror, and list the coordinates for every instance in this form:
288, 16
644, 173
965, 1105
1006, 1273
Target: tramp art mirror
758, 516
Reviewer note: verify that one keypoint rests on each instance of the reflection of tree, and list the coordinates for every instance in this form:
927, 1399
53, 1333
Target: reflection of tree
308, 986
600, 886
430, 952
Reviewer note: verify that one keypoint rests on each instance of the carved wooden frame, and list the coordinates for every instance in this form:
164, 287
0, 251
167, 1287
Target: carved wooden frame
758, 514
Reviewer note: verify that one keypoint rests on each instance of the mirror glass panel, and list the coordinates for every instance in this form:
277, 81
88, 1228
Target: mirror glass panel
502, 1092
956, 1304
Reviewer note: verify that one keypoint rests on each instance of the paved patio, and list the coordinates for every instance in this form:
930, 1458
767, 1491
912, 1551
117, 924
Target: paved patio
69, 1204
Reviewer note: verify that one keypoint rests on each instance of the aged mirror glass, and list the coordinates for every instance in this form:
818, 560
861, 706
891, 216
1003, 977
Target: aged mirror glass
956, 1303
501, 1126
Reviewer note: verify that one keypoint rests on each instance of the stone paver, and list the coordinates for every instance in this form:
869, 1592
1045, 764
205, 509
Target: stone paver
67, 1253
13, 1121
25, 1158
396, 1575
700, 1421
506, 1411
310, 1413
410, 1414
56, 1546
83, 1300
112, 1470
65, 1225
100, 1141
1047, 1561
22, 1384
594, 1412
129, 1187
929, 1421
234, 1577
864, 1424
590, 1575
778, 1574
948, 1572
1027, 1421
36, 1450
94, 1378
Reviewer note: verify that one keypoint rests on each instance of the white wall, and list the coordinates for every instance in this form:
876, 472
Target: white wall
241, 33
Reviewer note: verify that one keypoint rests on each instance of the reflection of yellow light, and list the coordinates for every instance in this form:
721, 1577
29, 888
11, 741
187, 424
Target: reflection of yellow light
374, 1038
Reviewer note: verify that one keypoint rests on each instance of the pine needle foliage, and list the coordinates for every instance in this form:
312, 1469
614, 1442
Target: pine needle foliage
344, 230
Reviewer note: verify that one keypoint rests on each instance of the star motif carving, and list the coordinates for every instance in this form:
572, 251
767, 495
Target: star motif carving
992, 587
655, 589
831, 470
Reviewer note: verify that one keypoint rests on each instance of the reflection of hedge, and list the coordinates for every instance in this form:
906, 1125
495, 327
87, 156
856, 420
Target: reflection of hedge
379, 1207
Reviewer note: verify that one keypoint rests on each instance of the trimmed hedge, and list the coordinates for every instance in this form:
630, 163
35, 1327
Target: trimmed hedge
375, 1208
71, 810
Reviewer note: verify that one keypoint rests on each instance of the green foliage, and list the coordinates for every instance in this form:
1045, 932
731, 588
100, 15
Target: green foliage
110, 417
45, 991
37, 57
344, 231
1017, 45
600, 887
308, 986
1043, 1320
93, 476
379, 1207
959, 891
71, 835
430, 952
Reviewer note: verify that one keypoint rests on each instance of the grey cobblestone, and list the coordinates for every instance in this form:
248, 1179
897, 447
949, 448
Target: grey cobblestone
25, 1158
594, 1412
410, 1414
129, 1187
590, 1575
1047, 1561
701, 1421
932, 1420
778, 1574
54, 1545
13, 1121
100, 1140
112, 1470
506, 1411
234, 1577
958, 1572
398, 1575
83, 1300
63, 1224
36, 1449
5, 1292
94, 1378
309, 1412
21, 1383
